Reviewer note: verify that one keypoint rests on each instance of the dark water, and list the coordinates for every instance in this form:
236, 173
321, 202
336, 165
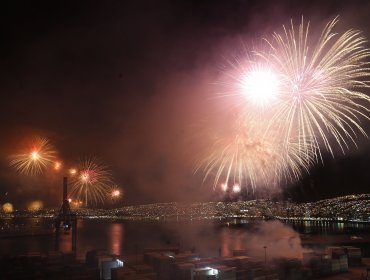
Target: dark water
208, 238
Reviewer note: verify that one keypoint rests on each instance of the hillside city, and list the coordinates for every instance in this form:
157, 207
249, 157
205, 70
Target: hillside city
355, 208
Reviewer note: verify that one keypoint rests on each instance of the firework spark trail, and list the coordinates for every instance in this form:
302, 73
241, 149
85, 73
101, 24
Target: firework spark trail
321, 84
251, 157
92, 183
41, 155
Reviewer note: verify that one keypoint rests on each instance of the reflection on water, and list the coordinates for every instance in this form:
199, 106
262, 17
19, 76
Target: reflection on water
116, 235
329, 227
208, 238
224, 243
65, 242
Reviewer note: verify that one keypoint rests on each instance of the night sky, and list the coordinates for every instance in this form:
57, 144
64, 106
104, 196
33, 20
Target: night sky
132, 82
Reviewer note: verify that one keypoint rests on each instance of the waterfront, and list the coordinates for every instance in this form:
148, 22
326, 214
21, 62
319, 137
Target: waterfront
207, 238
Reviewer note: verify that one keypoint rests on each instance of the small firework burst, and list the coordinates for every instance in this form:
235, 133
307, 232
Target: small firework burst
116, 193
57, 165
39, 156
91, 183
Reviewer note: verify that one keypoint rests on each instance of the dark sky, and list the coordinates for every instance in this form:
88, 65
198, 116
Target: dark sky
131, 82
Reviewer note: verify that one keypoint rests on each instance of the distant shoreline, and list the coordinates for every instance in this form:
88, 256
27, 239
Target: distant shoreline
168, 218
344, 209
231, 221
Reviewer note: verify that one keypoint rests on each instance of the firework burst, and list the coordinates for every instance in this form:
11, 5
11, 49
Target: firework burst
297, 95
91, 183
250, 157
252, 82
36, 159
321, 84
116, 193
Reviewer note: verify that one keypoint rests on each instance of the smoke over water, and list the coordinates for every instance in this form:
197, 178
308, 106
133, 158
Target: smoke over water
210, 240
281, 241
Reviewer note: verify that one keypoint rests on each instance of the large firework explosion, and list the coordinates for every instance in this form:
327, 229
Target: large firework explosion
321, 95
91, 183
37, 157
310, 91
